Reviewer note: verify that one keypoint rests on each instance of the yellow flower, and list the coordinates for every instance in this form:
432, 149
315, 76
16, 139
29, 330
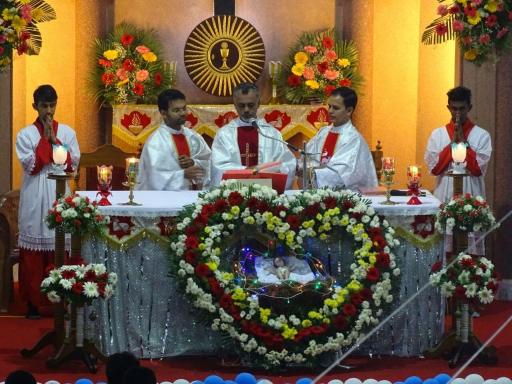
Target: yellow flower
238, 294
491, 6
23, 2
216, 251
111, 54
207, 229
354, 286
470, 55
227, 276
18, 23
250, 220
314, 315
372, 259
306, 323
344, 221
149, 57
202, 246
343, 62
264, 314
213, 266
323, 237
331, 303
280, 236
271, 227
289, 333
474, 20
7, 14
340, 299
313, 84
122, 82
298, 69
301, 58
463, 2
235, 210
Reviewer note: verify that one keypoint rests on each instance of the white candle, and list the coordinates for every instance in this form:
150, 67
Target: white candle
458, 152
132, 165
60, 154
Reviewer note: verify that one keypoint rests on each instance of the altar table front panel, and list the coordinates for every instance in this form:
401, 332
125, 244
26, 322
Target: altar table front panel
152, 318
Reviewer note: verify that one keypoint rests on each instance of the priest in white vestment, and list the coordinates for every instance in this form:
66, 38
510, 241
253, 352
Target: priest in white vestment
438, 154
174, 157
240, 144
341, 157
34, 150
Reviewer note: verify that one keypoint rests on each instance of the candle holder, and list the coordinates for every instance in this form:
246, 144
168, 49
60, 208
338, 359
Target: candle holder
132, 168
459, 158
171, 67
413, 184
59, 155
274, 70
104, 184
388, 172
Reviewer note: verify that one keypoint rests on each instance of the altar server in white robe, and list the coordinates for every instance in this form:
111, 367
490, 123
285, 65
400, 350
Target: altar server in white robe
460, 129
174, 157
34, 148
341, 156
240, 144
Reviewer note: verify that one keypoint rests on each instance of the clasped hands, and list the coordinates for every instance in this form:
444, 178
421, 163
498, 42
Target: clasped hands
192, 171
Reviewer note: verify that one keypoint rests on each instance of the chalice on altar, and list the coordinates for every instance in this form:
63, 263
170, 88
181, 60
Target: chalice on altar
104, 183
60, 155
413, 184
132, 169
388, 172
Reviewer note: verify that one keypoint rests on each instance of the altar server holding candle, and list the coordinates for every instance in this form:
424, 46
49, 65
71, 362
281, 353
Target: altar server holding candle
174, 157
34, 148
445, 145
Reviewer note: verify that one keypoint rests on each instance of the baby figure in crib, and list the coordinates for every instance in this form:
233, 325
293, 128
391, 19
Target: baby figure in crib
279, 269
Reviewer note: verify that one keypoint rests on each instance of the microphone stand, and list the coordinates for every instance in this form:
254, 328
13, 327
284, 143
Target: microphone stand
302, 152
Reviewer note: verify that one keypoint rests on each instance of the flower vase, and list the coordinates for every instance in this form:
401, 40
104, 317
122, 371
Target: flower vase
463, 323
80, 325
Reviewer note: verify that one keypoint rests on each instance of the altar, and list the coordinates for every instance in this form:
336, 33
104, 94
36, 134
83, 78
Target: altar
151, 317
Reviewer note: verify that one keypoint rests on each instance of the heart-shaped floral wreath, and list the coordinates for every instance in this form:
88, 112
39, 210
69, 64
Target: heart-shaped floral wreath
272, 338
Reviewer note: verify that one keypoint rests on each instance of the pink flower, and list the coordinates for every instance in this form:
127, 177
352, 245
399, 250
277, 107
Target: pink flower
331, 55
2, 39
26, 13
141, 75
491, 21
458, 25
502, 32
442, 10
121, 74
331, 74
467, 40
142, 49
310, 49
309, 73
441, 29
484, 39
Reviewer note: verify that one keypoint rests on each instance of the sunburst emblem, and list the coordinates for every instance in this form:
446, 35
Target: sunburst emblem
222, 52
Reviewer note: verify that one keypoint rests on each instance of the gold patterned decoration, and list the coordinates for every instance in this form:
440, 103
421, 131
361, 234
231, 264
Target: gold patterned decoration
222, 52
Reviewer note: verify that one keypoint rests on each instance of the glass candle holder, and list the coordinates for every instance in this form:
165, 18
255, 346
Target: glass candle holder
104, 173
459, 157
388, 172
59, 155
414, 184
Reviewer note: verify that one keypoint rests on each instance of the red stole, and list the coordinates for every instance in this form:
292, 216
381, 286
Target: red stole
466, 129
181, 145
329, 146
247, 138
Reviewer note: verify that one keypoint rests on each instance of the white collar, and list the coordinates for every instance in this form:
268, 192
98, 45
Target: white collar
340, 128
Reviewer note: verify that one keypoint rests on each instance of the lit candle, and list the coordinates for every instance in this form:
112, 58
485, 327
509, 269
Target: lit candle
104, 174
132, 165
60, 154
388, 164
414, 172
459, 152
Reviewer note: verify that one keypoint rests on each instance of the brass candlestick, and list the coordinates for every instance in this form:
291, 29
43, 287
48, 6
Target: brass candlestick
388, 182
130, 183
274, 69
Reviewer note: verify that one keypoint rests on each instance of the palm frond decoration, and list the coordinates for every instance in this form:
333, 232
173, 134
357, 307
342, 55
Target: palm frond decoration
316, 64
430, 35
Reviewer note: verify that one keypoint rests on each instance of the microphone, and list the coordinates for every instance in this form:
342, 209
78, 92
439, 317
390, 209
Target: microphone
255, 125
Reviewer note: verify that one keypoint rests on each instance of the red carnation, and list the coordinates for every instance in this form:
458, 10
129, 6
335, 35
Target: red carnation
128, 65
90, 275
436, 266
235, 198
492, 286
190, 257
467, 262
347, 204
330, 202
484, 39
101, 288
383, 259
346, 82
357, 298
202, 270
192, 242
105, 63
208, 210
294, 80
226, 301
191, 230
491, 21
327, 42
441, 29
367, 293
263, 206
294, 221
328, 89
138, 89
126, 39
220, 205
215, 287
58, 218
340, 322
454, 9
460, 292
68, 274
349, 309
77, 288
158, 79
253, 203
312, 210
318, 329
372, 274
48, 268
322, 67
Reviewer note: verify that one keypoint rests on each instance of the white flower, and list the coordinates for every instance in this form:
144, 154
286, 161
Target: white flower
53, 297
471, 290
468, 208
91, 289
66, 284
486, 296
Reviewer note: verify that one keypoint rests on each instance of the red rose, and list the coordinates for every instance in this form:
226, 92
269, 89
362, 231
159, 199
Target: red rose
383, 259
322, 67
126, 39
327, 42
346, 82
330, 202
328, 89
454, 9
294, 221
349, 309
191, 230
128, 65
356, 298
105, 63
215, 287
190, 257
235, 198
158, 79
202, 270
220, 205
372, 274
484, 39
294, 80
138, 89
436, 266
192, 242
208, 210
226, 301
340, 322
58, 218
77, 288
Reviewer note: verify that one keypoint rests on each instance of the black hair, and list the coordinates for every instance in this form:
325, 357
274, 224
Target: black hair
45, 93
245, 88
139, 375
118, 364
348, 94
165, 97
459, 93
20, 377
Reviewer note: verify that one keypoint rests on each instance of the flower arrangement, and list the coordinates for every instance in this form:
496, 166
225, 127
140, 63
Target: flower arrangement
480, 26
76, 214
79, 284
316, 65
18, 27
129, 67
470, 279
303, 334
465, 213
